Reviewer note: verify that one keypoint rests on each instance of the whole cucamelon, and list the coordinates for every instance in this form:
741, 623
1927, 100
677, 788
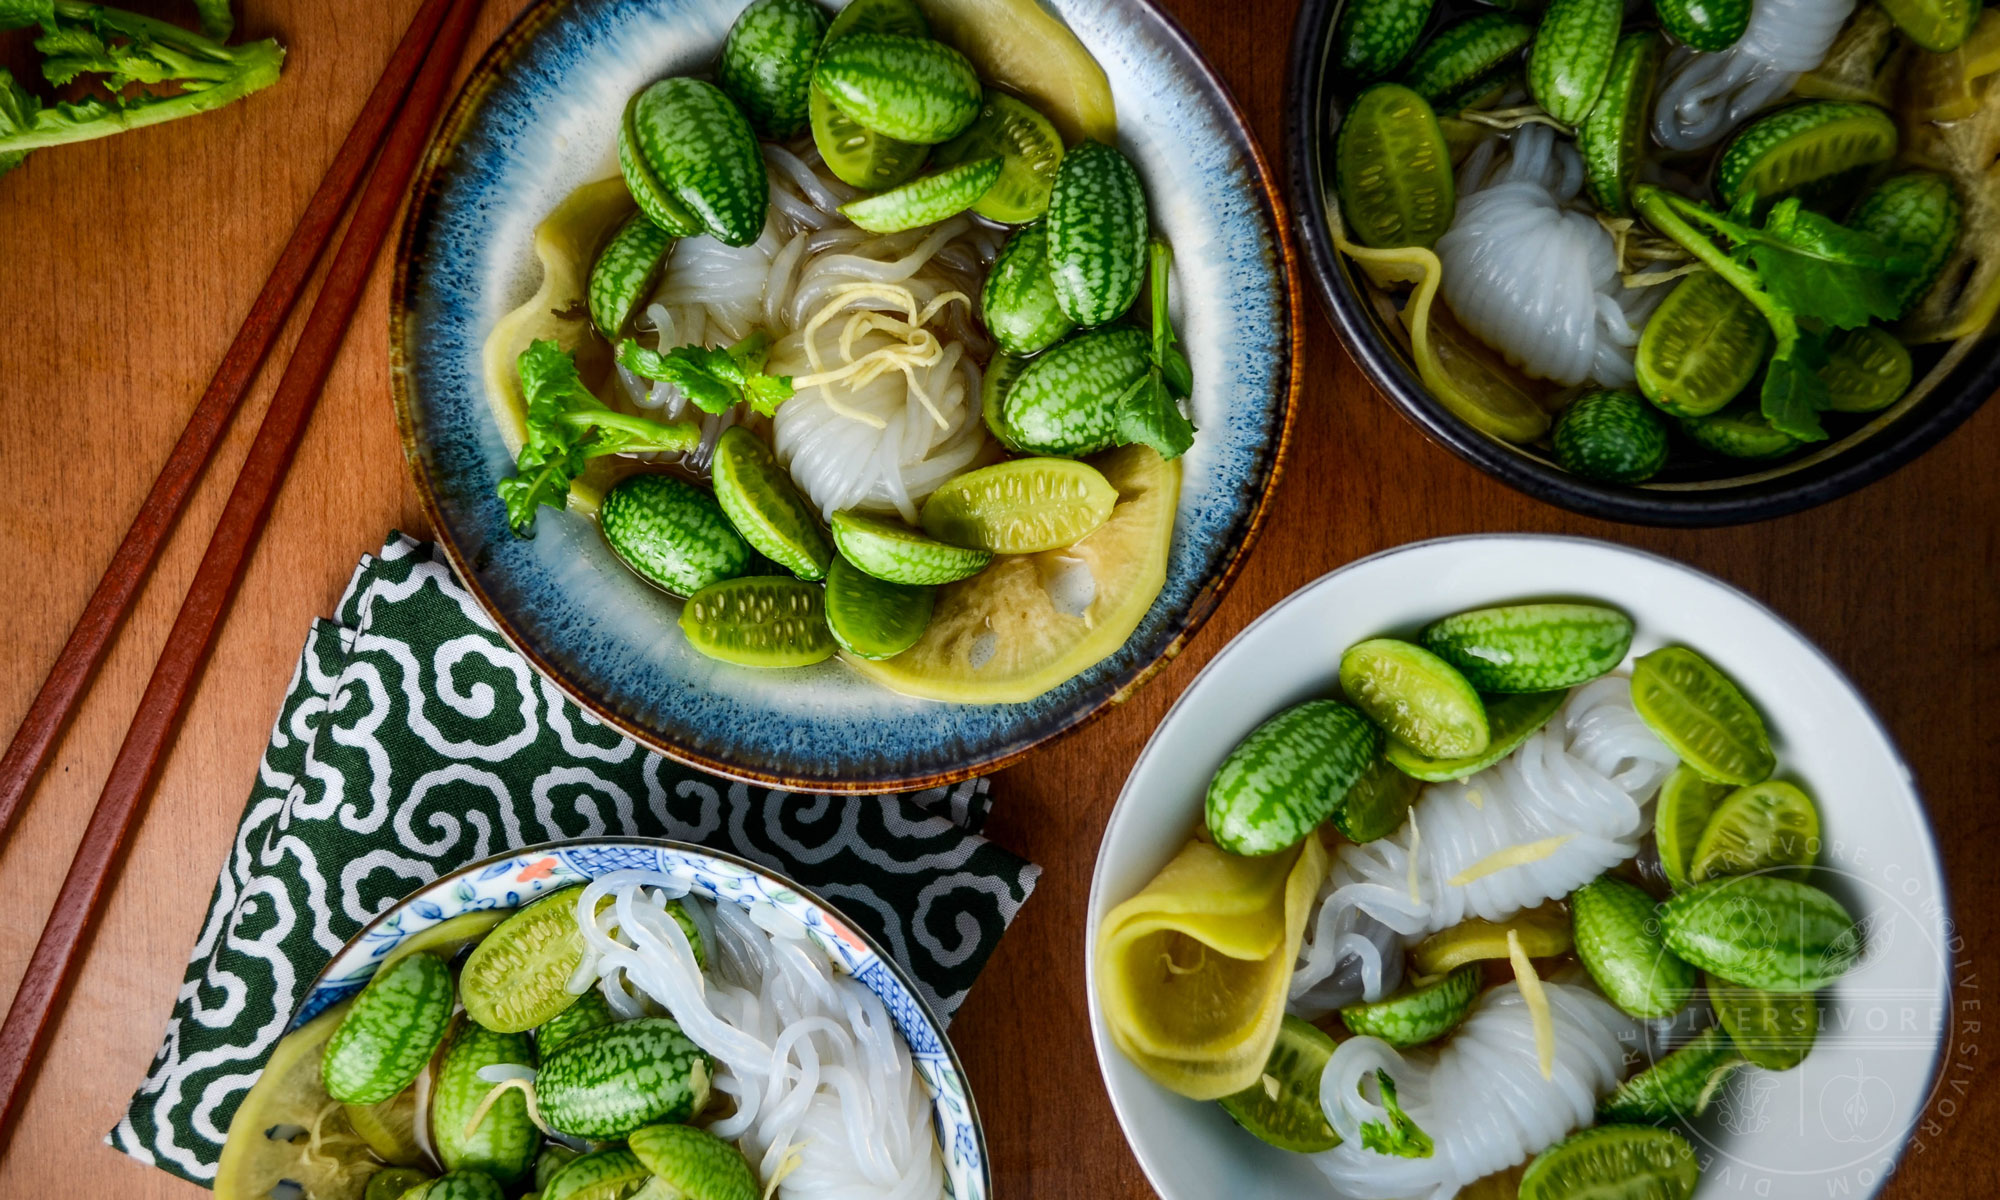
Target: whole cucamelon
1774, 1030
1019, 301
1421, 1015
462, 1185
892, 551
550, 1162
1572, 55
999, 379
505, 1141
1617, 935
1915, 213
609, 1082
1463, 55
1064, 403
1531, 647
625, 273
673, 534
767, 63
1097, 234
390, 1032
1373, 37
610, 1174
694, 1163
1679, 1086
1709, 25
1611, 435
517, 977
395, 1183
649, 192
1510, 721
700, 146
1288, 776
912, 89
1762, 932
589, 1012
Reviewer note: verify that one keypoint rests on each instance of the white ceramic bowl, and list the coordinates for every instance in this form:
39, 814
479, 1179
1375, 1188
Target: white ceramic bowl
1835, 1125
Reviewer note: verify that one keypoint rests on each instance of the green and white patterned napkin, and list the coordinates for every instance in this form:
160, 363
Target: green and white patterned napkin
413, 740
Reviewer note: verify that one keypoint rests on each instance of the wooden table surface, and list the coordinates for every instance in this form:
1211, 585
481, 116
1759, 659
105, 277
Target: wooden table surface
125, 266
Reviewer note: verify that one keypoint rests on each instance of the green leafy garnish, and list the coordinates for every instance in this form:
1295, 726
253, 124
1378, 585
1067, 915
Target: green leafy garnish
567, 427
1149, 412
715, 379
1399, 1136
1806, 274
118, 50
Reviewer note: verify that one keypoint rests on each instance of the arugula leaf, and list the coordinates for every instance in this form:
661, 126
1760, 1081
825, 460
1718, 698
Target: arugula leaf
1399, 1137
715, 380
1148, 412
567, 426
17, 112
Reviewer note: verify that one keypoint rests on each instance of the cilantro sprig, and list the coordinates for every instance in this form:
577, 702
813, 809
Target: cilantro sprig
1805, 273
715, 379
1149, 411
567, 427
1399, 1136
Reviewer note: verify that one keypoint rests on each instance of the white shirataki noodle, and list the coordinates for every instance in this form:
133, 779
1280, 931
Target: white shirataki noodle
899, 448
1480, 1096
1531, 272
1589, 775
824, 1091
1705, 95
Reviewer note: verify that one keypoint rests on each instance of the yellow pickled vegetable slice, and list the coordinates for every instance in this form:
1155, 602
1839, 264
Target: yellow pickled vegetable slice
1543, 932
1027, 50
1194, 969
288, 1128
566, 243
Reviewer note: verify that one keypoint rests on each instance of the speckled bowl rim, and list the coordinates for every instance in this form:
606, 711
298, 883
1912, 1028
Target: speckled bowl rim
1907, 437
500, 57
894, 968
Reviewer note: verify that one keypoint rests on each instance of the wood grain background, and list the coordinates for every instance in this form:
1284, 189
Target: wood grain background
125, 266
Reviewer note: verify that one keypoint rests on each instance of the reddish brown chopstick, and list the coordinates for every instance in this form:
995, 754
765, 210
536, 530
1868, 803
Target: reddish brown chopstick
70, 677
30, 1019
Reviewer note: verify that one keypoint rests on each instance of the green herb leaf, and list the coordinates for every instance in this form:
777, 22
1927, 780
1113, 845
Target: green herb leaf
17, 113
1399, 1136
1148, 412
1825, 271
1794, 394
216, 19
715, 380
19, 14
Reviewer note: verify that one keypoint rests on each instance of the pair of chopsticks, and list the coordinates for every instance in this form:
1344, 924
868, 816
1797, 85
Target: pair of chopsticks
397, 120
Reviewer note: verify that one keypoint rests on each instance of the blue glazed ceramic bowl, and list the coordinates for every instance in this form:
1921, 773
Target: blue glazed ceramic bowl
511, 880
537, 119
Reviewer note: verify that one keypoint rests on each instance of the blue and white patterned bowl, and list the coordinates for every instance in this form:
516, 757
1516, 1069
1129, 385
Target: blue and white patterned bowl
537, 119
511, 880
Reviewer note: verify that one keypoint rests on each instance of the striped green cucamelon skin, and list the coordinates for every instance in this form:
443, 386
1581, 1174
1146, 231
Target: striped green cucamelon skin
1571, 57
871, 618
1097, 234
1679, 1087
1701, 347
1420, 1015
625, 273
1612, 137
694, 1163
1510, 721
759, 621
653, 196
518, 976
698, 143
505, 1142
1282, 1108
1065, 403
589, 1012
1531, 647
612, 1174
1001, 373
609, 1082
1616, 934
1030, 146
1939, 26
1866, 369
390, 1032
767, 63
394, 1183
895, 553
913, 89
1774, 1030
761, 501
1416, 697
1739, 431
1614, 436
672, 533
1019, 301
1634, 1161
1709, 25
900, 17
1464, 54
858, 156
925, 200
1289, 775
1762, 932
1373, 36
1378, 803
1916, 213
1797, 147
463, 1185
553, 1158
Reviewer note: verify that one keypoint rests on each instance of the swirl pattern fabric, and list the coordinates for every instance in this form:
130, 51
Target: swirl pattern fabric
412, 740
